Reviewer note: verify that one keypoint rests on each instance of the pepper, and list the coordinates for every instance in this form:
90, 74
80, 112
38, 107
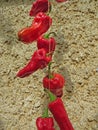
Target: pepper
45, 123
40, 25
39, 60
59, 112
39, 6
55, 83
47, 43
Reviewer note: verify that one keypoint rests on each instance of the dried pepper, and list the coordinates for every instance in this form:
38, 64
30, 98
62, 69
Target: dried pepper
55, 83
40, 25
39, 6
47, 43
39, 60
45, 123
59, 112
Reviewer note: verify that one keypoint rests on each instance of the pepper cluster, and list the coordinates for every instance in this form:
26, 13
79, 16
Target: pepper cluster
53, 83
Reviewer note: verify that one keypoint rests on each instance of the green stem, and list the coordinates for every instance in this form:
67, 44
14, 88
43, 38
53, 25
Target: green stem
49, 70
45, 114
51, 95
48, 35
52, 98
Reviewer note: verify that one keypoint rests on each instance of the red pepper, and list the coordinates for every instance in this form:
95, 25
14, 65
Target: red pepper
57, 109
39, 6
61, 0
40, 25
39, 60
47, 43
55, 84
45, 123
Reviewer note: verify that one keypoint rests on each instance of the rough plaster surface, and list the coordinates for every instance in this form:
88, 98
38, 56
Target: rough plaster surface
76, 57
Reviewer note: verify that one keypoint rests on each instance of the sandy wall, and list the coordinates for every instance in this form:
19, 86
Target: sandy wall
76, 57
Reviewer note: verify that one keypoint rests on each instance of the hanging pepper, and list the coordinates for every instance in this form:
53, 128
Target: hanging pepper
45, 123
55, 83
47, 43
39, 60
40, 25
59, 112
39, 6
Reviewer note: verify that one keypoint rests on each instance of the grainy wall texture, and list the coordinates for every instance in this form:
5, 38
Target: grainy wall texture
76, 57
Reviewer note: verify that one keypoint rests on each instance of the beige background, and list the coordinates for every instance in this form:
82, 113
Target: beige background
76, 57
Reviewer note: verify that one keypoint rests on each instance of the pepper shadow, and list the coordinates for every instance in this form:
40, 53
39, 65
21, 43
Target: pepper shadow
7, 30
69, 86
61, 47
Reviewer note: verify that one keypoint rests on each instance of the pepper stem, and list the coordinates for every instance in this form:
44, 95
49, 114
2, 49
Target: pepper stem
51, 95
49, 8
52, 33
48, 35
45, 114
49, 70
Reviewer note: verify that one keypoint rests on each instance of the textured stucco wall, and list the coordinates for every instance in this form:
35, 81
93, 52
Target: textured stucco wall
76, 57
